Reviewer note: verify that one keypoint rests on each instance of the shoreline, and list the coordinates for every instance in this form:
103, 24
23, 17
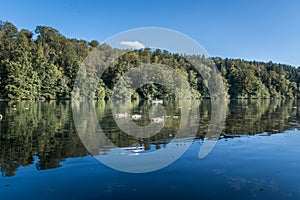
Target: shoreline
179, 99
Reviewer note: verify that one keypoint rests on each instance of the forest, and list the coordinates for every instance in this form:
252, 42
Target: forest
43, 64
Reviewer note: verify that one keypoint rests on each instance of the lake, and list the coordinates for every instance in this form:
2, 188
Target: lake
45, 155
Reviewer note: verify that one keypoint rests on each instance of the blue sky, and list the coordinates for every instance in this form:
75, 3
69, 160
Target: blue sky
261, 30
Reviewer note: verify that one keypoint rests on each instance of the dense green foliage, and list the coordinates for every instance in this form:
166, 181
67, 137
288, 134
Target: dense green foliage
250, 79
44, 67
44, 64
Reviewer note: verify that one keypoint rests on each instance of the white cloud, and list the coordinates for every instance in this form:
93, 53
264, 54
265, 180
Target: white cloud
133, 44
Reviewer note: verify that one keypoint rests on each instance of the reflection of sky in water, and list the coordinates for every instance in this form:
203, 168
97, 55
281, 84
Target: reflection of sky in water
262, 166
247, 167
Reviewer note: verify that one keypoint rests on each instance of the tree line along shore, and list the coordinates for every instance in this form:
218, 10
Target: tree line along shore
43, 64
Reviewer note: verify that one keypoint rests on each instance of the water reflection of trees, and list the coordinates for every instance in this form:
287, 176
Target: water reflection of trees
254, 116
39, 133
43, 133
258, 116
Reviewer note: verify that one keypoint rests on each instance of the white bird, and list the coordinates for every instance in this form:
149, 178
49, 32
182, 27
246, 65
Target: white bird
158, 119
1, 116
121, 115
136, 117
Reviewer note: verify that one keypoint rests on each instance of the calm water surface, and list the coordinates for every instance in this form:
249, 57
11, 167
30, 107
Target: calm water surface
257, 156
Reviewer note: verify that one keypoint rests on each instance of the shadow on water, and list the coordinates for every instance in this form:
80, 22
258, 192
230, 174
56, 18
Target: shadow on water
43, 134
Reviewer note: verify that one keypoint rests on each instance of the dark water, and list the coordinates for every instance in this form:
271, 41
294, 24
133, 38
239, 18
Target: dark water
256, 157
